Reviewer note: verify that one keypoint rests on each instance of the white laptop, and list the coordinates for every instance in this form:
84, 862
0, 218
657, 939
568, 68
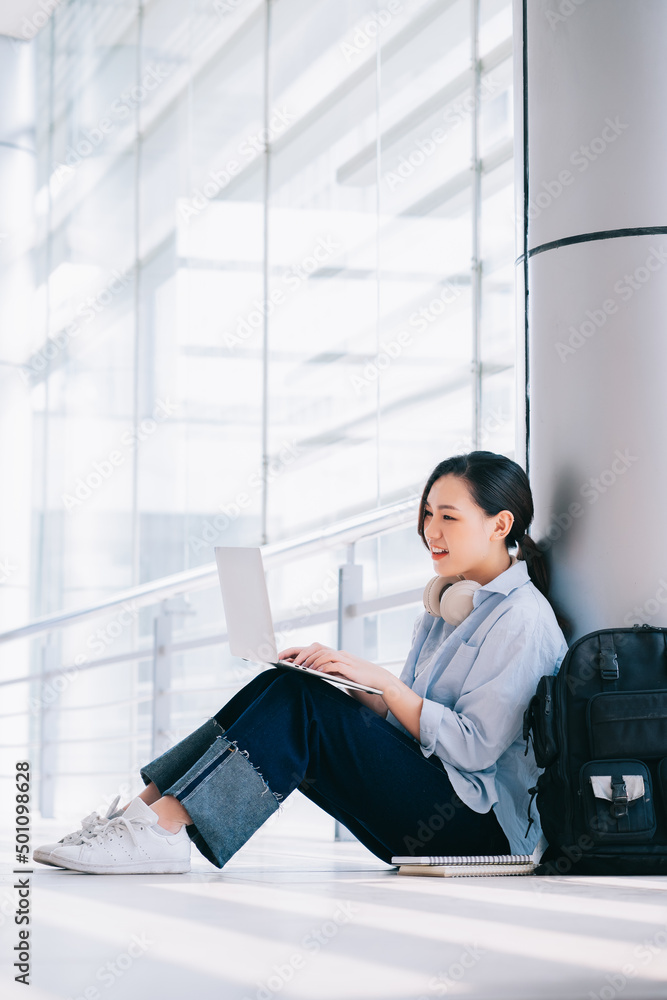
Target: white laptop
248, 613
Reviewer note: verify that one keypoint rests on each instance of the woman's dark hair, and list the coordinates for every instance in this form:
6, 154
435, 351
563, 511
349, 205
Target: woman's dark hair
497, 483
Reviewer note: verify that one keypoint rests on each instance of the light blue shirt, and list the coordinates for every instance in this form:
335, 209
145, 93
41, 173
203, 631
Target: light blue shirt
476, 680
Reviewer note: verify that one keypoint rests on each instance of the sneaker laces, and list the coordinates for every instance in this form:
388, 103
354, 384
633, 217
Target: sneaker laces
118, 823
93, 823
89, 823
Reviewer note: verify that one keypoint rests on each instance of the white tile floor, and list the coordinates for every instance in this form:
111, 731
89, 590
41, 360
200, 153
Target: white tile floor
309, 919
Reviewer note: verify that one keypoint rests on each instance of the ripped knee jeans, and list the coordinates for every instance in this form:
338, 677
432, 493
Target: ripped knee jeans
224, 793
286, 730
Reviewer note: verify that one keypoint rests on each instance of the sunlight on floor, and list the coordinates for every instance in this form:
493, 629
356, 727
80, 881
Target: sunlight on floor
306, 918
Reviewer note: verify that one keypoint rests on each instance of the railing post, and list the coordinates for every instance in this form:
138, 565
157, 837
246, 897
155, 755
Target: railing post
49, 696
162, 639
350, 591
350, 630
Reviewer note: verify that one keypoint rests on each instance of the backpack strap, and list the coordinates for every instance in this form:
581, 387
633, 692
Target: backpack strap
609, 671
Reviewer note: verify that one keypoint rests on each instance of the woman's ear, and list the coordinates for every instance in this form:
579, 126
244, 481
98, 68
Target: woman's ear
502, 525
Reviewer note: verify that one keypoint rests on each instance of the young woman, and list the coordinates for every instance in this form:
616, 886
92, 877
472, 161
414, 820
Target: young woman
434, 765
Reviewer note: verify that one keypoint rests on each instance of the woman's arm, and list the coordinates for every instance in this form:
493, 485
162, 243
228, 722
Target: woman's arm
374, 701
487, 716
404, 703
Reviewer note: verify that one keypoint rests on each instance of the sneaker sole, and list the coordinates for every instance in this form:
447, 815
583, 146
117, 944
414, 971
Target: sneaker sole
140, 868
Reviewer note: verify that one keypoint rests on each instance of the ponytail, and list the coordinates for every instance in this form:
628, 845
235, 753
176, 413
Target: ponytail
535, 562
538, 572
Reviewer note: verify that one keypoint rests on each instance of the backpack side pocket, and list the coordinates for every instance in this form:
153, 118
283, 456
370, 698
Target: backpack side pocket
539, 718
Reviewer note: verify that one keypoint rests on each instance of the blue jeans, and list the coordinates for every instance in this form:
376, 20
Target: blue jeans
285, 730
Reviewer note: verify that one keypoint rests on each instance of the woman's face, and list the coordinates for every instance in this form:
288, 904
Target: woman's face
462, 539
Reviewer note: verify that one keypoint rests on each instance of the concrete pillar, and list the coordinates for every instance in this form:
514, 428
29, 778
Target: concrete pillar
591, 129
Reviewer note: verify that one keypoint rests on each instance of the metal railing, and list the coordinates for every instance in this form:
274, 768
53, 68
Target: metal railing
169, 594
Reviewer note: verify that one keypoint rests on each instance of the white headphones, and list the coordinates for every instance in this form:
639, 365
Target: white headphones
450, 597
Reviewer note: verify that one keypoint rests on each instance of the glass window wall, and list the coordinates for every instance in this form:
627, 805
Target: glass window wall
273, 288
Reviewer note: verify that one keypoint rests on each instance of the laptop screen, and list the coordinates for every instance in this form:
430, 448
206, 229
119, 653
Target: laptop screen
246, 602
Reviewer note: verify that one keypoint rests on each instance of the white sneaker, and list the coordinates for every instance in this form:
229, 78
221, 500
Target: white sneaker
89, 826
128, 845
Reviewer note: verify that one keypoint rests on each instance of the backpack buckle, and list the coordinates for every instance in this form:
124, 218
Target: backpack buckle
609, 665
619, 797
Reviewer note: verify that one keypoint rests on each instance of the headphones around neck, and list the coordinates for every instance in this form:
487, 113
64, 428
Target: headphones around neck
450, 597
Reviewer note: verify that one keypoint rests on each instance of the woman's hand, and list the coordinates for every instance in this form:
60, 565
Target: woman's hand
404, 704
338, 663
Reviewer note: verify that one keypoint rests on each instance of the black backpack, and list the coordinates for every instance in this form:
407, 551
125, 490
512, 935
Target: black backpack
599, 728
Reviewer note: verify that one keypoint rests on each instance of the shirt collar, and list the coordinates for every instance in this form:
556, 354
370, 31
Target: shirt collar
505, 582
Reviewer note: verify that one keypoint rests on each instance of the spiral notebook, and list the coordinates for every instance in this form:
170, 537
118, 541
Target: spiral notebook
481, 864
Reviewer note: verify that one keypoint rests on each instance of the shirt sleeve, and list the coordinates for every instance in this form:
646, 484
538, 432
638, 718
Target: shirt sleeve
487, 717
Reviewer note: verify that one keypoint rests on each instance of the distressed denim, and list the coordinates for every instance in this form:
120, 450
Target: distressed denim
286, 730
